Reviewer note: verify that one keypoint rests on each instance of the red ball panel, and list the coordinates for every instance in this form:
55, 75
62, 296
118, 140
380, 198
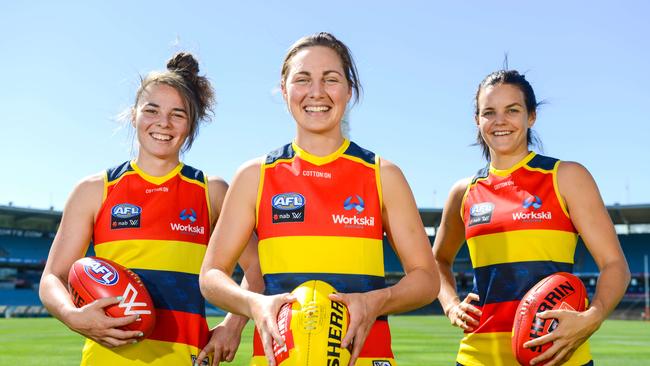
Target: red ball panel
93, 278
559, 291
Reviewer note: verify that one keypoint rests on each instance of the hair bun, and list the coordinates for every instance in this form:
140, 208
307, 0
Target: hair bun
184, 63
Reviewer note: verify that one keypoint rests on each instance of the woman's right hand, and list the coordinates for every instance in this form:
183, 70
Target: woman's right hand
459, 314
92, 322
264, 311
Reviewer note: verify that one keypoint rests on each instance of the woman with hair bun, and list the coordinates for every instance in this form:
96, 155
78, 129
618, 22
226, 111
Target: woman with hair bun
169, 106
521, 215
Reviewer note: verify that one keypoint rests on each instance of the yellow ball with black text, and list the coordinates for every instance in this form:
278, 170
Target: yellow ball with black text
312, 327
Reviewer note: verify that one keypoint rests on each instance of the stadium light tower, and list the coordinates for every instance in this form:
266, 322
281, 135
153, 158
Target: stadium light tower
647, 292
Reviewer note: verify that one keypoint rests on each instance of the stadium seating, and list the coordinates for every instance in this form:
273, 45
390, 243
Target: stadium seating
35, 249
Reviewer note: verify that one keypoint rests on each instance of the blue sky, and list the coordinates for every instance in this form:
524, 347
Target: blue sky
69, 68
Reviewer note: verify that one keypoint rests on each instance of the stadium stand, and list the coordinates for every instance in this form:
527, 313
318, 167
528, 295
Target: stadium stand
26, 235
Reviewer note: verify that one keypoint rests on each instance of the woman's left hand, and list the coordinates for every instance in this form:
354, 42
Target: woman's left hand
573, 329
363, 309
224, 341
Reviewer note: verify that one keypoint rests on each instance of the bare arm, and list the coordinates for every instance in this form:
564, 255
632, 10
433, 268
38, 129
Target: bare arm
405, 231
449, 238
420, 284
70, 244
226, 336
590, 218
233, 239
229, 241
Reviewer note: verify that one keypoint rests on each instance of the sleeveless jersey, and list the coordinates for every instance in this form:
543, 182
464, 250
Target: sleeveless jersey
320, 218
159, 227
518, 231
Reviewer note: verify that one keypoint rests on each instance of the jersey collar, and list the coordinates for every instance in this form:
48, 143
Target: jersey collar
320, 160
153, 179
506, 172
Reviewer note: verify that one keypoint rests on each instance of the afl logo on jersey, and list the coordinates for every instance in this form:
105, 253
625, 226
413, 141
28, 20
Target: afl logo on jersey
125, 215
125, 210
101, 272
288, 207
480, 213
288, 201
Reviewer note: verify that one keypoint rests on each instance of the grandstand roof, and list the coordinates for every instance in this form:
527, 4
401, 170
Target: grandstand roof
29, 218
629, 214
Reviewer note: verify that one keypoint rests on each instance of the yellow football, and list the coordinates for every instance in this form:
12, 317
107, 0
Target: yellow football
312, 327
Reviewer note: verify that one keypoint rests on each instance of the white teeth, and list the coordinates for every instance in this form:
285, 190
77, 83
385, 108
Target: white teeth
321, 108
501, 133
161, 137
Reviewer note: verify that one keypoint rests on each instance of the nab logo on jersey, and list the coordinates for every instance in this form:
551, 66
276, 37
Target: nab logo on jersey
102, 273
288, 207
125, 215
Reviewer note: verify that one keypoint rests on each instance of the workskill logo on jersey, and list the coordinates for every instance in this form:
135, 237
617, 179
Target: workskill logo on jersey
188, 218
288, 207
125, 216
355, 205
532, 205
480, 213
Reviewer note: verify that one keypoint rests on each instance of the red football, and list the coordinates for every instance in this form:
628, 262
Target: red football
558, 291
93, 278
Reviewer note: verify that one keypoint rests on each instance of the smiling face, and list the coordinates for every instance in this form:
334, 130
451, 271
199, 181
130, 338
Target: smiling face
503, 120
161, 122
316, 90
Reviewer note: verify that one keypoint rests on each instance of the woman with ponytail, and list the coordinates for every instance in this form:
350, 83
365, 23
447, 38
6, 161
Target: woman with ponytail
169, 106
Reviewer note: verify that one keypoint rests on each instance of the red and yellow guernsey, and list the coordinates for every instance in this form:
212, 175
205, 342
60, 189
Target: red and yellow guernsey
159, 227
319, 218
518, 231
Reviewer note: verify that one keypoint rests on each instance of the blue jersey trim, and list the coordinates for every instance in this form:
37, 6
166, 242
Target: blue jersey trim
175, 291
192, 173
510, 281
278, 283
116, 172
361, 153
284, 152
542, 162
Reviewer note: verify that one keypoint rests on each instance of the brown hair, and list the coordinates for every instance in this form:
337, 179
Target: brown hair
182, 74
326, 40
510, 77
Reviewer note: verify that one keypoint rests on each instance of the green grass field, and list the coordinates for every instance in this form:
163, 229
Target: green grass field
417, 341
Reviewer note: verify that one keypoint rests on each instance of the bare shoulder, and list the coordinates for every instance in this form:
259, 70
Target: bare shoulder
571, 169
459, 188
574, 180
86, 197
217, 186
90, 187
250, 170
390, 170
